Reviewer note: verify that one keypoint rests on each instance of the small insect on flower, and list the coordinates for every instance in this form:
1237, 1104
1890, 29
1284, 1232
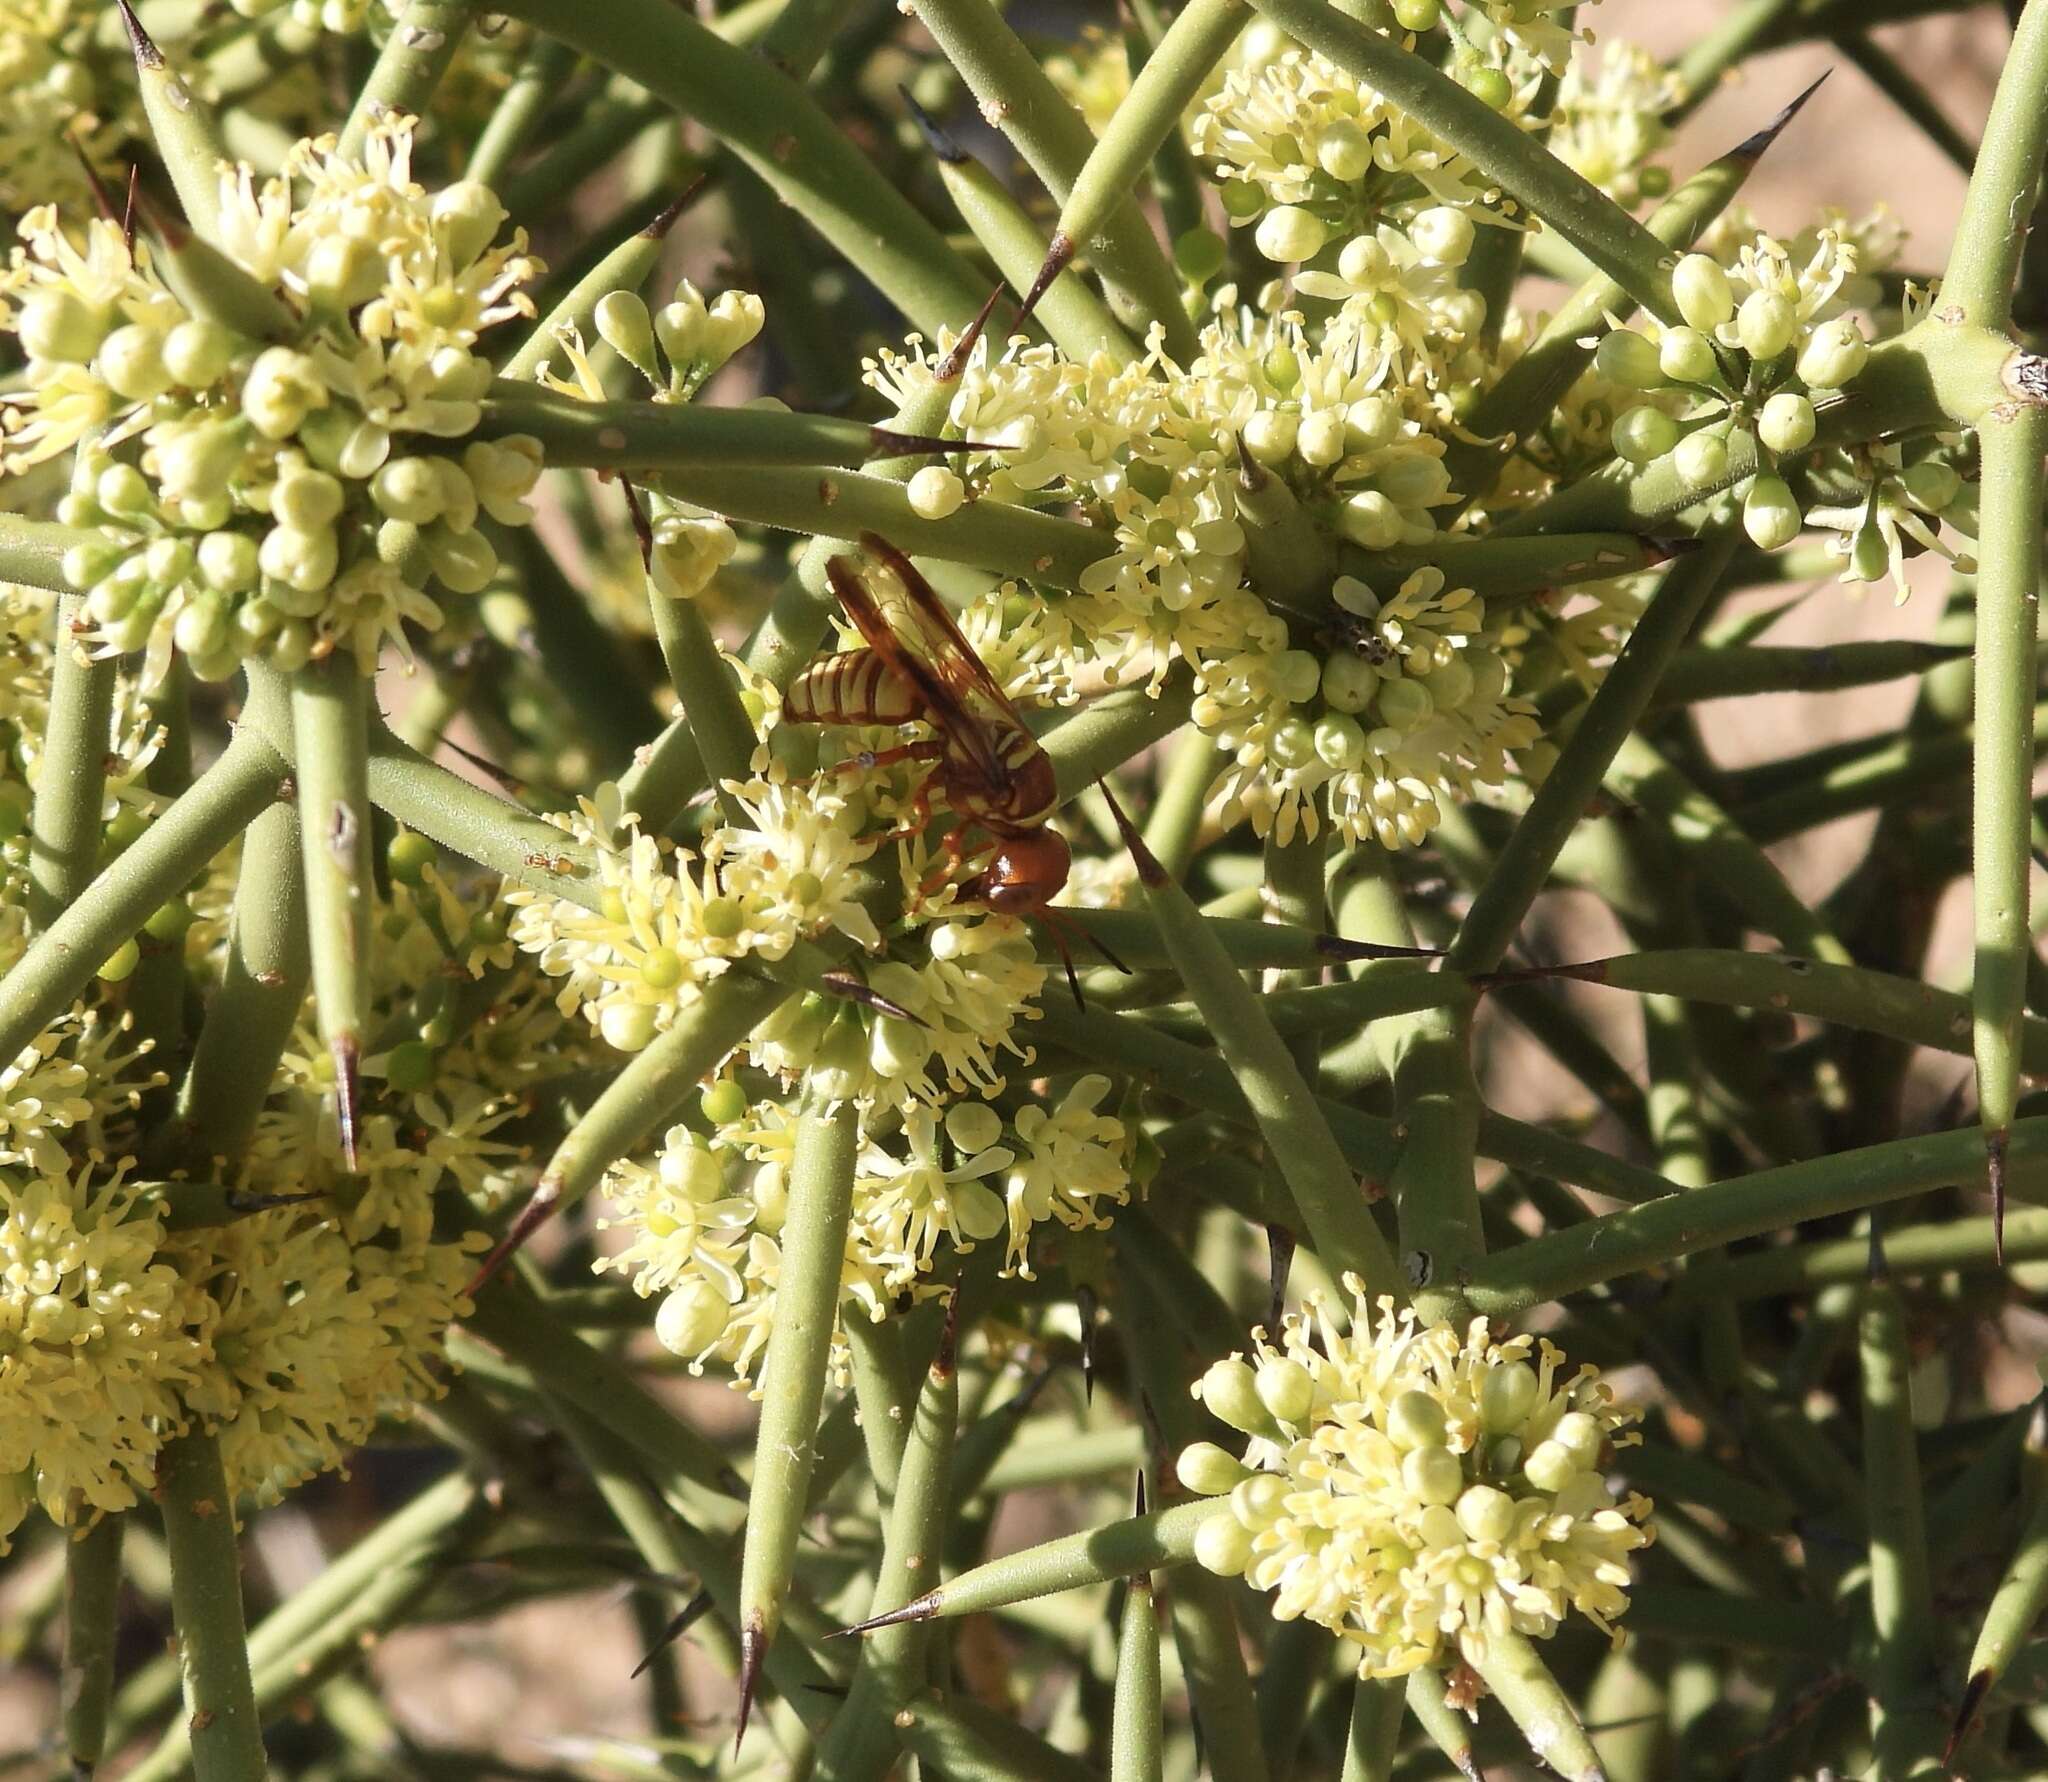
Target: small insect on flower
917, 667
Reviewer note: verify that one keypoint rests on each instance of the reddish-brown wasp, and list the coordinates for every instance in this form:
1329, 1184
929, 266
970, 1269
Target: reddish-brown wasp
987, 767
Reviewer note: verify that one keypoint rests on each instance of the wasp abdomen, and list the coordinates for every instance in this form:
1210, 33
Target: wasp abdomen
853, 687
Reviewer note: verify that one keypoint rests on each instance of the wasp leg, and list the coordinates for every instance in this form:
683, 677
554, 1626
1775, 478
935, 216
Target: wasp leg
932, 749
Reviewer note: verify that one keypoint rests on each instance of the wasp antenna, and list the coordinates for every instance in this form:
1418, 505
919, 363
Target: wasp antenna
691, 1612
955, 361
839, 983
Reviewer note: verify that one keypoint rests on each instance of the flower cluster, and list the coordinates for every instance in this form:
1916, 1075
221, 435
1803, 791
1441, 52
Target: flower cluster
701, 1223
1415, 1491
287, 496
1609, 124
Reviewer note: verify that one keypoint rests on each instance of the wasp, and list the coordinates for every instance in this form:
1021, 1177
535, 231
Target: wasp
914, 666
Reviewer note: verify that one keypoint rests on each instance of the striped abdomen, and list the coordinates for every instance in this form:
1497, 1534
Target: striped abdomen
853, 687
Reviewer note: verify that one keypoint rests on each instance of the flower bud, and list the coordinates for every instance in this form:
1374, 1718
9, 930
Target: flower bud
1320, 437
122, 489
935, 491
1207, 1470
466, 216
1294, 675
408, 489
973, 1126
342, 272
691, 1317
1870, 555
197, 353
1485, 1514
1931, 485
1769, 514
1442, 235
60, 327
1285, 1389
1702, 292
1370, 519
464, 561
1292, 743
1340, 742
1344, 151
1627, 358
1415, 1420
1270, 434
1289, 234
1643, 435
1404, 703
305, 562
121, 964
1418, 15
1580, 1435
130, 362
1686, 356
1432, 1474
623, 324
1833, 354
1550, 1466
87, 562
1701, 458
203, 626
1223, 1545
1489, 86
1230, 1391
1786, 423
198, 459
1449, 684
626, 1026
1765, 324
736, 318
1506, 1397
168, 562
1349, 682
1371, 422
310, 500
282, 388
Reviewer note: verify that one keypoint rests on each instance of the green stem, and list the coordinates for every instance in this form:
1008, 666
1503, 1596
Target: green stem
66, 825
1136, 1735
1524, 865
1641, 1237
186, 133
206, 1599
2008, 615
2015, 1606
262, 987
625, 267
779, 130
173, 850
415, 56
1991, 232
1585, 216
535, 86
1742, 671
92, 1590
1896, 83
1007, 81
1960, 1245
330, 756
32, 552
1537, 1703
807, 1292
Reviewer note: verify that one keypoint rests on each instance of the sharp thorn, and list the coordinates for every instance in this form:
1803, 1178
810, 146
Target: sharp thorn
1058, 254
643, 528
753, 1654
1995, 1142
128, 209
1335, 946
1252, 476
948, 1355
1974, 1692
955, 361
935, 135
691, 1612
1088, 1306
1753, 145
841, 983
532, 1216
1138, 1494
347, 1054
1150, 872
884, 443
1667, 546
666, 218
1875, 1267
923, 1609
1280, 1247
147, 55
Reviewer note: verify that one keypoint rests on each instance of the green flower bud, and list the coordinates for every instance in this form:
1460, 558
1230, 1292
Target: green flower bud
304, 561
1786, 423
121, 964
1432, 1474
1550, 1467
1769, 514
204, 626
1415, 1420
1404, 703
228, 561
198, 460
1230, 1392
1292, 743
1371, 520
1765, 324
1371, 422
408, 489
291, 646
409, 1066
122, 489
89, 562
1289, 234
342, 272
1349, 682
1344, 151
466, 217
1581, 1436
108, 601
59, 327
1294, 676
1702, 292
1833, 354
1870, 555
1418, 15
1701, 458
169, 921
1489, 86
1643, 435
130, 362
724, 1103
624, 325
1207, 1470
197, 353
1320, 437
1627, 358
409, 856
1686, 356
1242, 199
1442, 234
691, 1317
1285, 1388
464, 561
1931, 485
1200, 254
935, 492
1340, 741
282, 388
1485, 1514
1270, 434
1506, 1396
1223, 1545
309, 500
